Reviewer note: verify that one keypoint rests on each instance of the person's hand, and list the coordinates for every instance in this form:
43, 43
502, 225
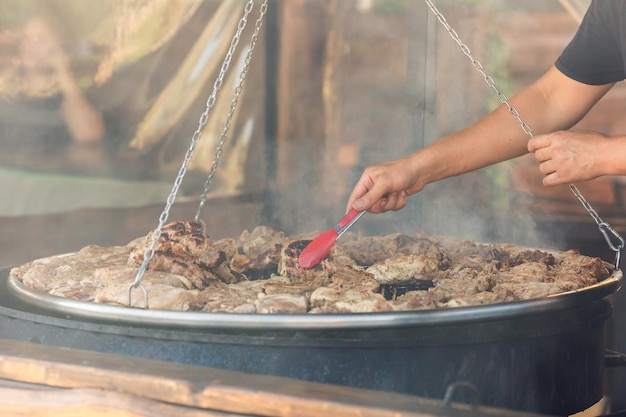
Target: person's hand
385, 186
570, 156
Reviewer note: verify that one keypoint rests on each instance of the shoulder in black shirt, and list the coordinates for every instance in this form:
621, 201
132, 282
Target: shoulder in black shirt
596, 55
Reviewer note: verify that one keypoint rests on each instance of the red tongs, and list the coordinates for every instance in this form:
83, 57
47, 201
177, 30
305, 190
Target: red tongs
321, 245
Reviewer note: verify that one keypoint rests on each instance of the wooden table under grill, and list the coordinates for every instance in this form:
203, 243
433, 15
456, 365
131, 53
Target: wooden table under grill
37, 380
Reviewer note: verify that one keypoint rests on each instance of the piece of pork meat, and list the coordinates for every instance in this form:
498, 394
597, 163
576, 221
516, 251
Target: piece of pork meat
288, 266
229, 299
415, 300
351, 290
479, 298
530, 290
262, 239
258, 252
114, 284
281, 304
349, 276
216, 260
522, 273
160, 297
369, 250
404, 269
200, 277
68, 271
227, 245
480, 283
335, 300
584, 270
121, 274
186, 240
185, 249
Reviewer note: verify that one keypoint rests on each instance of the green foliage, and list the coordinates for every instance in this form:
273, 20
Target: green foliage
391, 6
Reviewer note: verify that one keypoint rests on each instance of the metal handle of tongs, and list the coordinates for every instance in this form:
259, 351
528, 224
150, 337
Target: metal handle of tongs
607, 231
345, 228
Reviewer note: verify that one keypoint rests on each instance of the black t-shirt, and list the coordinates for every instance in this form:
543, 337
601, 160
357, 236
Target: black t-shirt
597, 53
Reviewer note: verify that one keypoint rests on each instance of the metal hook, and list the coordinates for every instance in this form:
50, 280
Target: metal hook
452, 388
145, 293
605, 229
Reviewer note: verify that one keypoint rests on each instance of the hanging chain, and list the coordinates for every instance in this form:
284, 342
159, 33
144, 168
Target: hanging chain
610, 235
233, 106
149, 252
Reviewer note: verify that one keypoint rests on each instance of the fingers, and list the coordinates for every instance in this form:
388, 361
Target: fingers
538, 142
540, 146
376, 199
386, 186
392, 201
547, 167
552, 179
399, 201
542, 155
363, 195
375, 193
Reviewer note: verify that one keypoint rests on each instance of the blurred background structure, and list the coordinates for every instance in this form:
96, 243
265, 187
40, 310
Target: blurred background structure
100, 105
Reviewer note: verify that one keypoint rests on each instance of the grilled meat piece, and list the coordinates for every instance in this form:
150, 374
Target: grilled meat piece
584, 270
215, 260
258, 252
114, 275
229, 299
404, 269
350, 290
281, 304
499, 255
453, 286
369, 250
416, 300
479, 298
70, 270
259, 273
349, 276
183, 248
289, 267
160, 297
179, 239
166, 291
530, 290
333, 299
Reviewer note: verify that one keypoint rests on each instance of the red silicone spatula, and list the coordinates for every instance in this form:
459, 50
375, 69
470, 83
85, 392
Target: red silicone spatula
321, 245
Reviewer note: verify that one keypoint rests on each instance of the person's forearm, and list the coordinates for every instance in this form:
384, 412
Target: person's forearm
495, 138
553, 102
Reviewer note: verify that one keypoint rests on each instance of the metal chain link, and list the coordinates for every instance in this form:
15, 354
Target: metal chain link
233, 106
204, 117
607, 231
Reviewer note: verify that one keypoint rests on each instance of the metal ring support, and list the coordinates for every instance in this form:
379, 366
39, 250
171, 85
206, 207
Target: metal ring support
456, 386
145, 294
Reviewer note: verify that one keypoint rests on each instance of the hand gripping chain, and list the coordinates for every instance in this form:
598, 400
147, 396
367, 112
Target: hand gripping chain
614, 240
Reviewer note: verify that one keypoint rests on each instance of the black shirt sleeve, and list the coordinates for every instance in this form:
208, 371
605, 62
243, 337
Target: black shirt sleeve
595, 55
